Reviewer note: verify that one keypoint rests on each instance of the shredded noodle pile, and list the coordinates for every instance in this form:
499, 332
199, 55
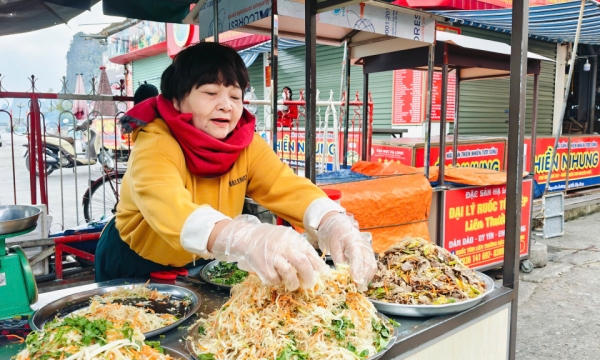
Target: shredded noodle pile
332, 320
77, 338
139, 317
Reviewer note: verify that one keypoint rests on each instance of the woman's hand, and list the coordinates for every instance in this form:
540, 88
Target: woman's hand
277, 254
337, 234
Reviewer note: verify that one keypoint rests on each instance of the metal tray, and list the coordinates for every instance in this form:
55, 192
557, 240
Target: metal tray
205, 277
16, 218
393, 337
176, 354
71, 303
433, 310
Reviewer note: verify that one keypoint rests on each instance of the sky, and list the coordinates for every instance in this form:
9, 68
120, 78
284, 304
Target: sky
43, 53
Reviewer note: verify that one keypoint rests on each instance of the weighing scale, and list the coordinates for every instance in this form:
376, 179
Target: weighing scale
18, 289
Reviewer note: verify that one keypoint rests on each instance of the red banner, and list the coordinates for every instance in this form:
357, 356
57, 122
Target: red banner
291, 147
407, 99
437, 97
390, 153
483, 156
474, 223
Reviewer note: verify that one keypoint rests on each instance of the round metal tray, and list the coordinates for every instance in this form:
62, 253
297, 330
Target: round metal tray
176, 354
205, 277
393, 337
16, 218
72, 303
433, 310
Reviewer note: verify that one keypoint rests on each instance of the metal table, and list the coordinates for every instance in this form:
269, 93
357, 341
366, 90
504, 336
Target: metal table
389, 131
414, 333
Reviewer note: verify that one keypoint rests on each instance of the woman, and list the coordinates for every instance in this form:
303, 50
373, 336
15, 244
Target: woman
286, 114
196, 157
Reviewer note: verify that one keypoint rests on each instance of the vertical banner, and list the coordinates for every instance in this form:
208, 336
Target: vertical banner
407, 97
474, 223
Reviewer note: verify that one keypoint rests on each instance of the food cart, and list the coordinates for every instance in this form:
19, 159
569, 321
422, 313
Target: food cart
493, 321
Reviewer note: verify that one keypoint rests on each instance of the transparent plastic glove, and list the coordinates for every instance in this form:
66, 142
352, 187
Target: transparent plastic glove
338, 236
277, 254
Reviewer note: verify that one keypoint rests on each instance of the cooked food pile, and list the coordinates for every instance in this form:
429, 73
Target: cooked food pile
227, 274
417, 272
77, 338
331, 321
139, 317
112, 327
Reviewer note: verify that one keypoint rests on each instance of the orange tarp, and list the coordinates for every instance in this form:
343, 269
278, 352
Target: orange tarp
391, 208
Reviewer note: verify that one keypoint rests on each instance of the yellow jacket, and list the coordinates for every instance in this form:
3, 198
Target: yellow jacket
159, 193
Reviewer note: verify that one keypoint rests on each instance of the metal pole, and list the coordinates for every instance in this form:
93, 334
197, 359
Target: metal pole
274, 56
592, 116
443, 112
365, 117
455, 133
310, 33
442, 152
347, 108
534, 115
514, 183
430, 68
567, 85
216, 20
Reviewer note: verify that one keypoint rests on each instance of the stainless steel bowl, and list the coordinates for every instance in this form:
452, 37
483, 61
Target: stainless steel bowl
17, 218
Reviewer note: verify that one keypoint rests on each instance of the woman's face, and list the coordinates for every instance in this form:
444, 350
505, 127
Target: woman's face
216, 109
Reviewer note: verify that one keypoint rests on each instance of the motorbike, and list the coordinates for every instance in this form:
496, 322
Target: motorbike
60, 151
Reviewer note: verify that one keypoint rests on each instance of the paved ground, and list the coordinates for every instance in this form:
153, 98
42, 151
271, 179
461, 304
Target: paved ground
71, 197
559, 305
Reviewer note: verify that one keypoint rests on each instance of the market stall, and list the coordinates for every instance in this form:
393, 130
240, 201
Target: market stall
492, 319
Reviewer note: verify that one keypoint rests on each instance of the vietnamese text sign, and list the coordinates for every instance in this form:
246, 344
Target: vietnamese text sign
408, 97
483, 156
291, 147
232, 15
577, 159
390, 153
365, 17
474, 223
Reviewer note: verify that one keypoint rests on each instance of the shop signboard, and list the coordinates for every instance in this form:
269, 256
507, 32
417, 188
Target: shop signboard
474, 223
291, 147
390, 153
584, 166
409, 93
385, 21
488, 154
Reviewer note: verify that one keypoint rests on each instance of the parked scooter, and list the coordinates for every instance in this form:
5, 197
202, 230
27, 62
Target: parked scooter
60, 151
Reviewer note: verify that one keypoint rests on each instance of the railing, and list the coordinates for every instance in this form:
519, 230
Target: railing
330, 152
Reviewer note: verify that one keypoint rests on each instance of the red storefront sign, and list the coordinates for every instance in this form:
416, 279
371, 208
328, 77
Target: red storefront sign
469, 4
479, 155
474, 223
409, 94
407, 98
482, 155
543, 155
584, 169
291, 147
390, 153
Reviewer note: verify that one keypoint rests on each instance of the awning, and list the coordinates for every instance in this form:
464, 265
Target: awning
249, 55
19, 16
554, 23
475, 58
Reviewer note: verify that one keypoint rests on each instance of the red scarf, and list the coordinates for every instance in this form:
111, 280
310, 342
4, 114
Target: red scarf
204, 155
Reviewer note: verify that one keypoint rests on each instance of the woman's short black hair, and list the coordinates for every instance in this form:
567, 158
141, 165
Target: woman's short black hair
200, 64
